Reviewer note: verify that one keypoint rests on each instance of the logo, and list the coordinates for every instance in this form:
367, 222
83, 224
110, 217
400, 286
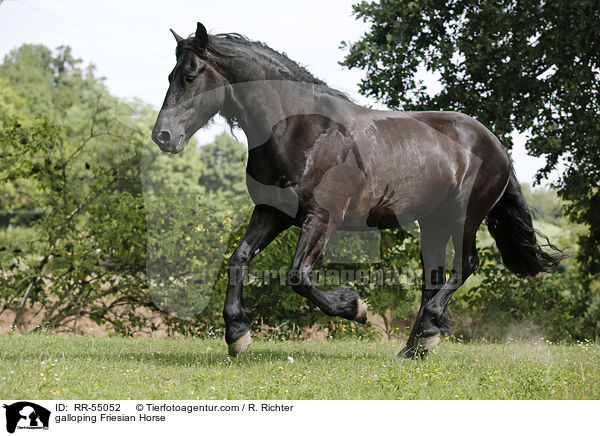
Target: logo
26, 415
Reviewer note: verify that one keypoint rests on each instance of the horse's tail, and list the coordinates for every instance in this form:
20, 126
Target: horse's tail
510, 224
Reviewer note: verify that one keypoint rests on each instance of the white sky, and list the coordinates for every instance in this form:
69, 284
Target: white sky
131, 46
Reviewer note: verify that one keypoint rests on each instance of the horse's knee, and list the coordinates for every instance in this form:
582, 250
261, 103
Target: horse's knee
299, 280
433, 310
470, 266
241, 256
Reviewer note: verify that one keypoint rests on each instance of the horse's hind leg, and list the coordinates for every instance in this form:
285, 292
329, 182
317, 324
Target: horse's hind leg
466, 261
479, 198
434, 320
343, 301
266, 223
434, 238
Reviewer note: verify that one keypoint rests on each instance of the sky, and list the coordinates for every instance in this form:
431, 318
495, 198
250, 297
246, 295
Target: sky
130, 44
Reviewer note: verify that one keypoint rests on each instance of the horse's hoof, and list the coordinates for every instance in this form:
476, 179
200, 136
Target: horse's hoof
430, 341
408, 353
240, 345
361, 314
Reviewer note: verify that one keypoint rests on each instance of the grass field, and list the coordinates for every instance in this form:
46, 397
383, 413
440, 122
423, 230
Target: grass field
47, 366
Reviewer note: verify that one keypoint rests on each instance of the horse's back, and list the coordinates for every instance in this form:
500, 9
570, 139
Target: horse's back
448, 144
455, 131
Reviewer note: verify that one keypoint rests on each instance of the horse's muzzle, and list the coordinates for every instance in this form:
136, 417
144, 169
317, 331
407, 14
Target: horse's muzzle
167, 141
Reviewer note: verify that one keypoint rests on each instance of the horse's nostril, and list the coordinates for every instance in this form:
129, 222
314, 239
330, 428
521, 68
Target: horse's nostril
164, 137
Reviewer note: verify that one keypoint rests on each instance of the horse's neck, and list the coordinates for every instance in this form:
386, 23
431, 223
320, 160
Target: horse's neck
261, 105
261, 93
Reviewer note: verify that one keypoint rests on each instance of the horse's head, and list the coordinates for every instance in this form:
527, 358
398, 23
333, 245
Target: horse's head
196, 93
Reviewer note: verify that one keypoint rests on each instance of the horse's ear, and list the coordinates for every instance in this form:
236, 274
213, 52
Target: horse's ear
201, 37
177, 37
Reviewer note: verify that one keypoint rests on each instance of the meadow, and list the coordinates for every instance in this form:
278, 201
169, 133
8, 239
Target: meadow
47, 366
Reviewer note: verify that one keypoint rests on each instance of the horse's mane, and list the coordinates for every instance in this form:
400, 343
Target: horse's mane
230, 44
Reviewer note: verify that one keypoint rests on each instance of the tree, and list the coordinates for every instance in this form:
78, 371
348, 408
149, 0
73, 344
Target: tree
529, 66
92, 240
224, 162
41, 84
50, 83
70, 152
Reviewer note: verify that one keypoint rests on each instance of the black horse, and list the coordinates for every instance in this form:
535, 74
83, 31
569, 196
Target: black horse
320, 162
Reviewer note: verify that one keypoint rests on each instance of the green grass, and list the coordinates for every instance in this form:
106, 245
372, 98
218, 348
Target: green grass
59, 367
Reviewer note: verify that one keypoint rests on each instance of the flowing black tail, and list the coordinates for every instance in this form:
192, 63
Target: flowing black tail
509, 222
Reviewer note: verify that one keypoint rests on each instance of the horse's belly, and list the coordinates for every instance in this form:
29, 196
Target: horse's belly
394, 208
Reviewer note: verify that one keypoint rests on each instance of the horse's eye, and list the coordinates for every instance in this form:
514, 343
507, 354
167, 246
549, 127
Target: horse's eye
189, 79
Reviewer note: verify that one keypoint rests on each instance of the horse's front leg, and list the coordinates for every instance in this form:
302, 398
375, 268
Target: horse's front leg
265, 224
343, 301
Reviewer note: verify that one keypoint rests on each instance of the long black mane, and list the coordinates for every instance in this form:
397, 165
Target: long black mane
230, 45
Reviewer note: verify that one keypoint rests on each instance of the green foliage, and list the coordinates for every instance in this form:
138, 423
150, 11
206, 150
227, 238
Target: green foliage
69, 157
224, 167
545, 205
90, 234
10, 102
49, 83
